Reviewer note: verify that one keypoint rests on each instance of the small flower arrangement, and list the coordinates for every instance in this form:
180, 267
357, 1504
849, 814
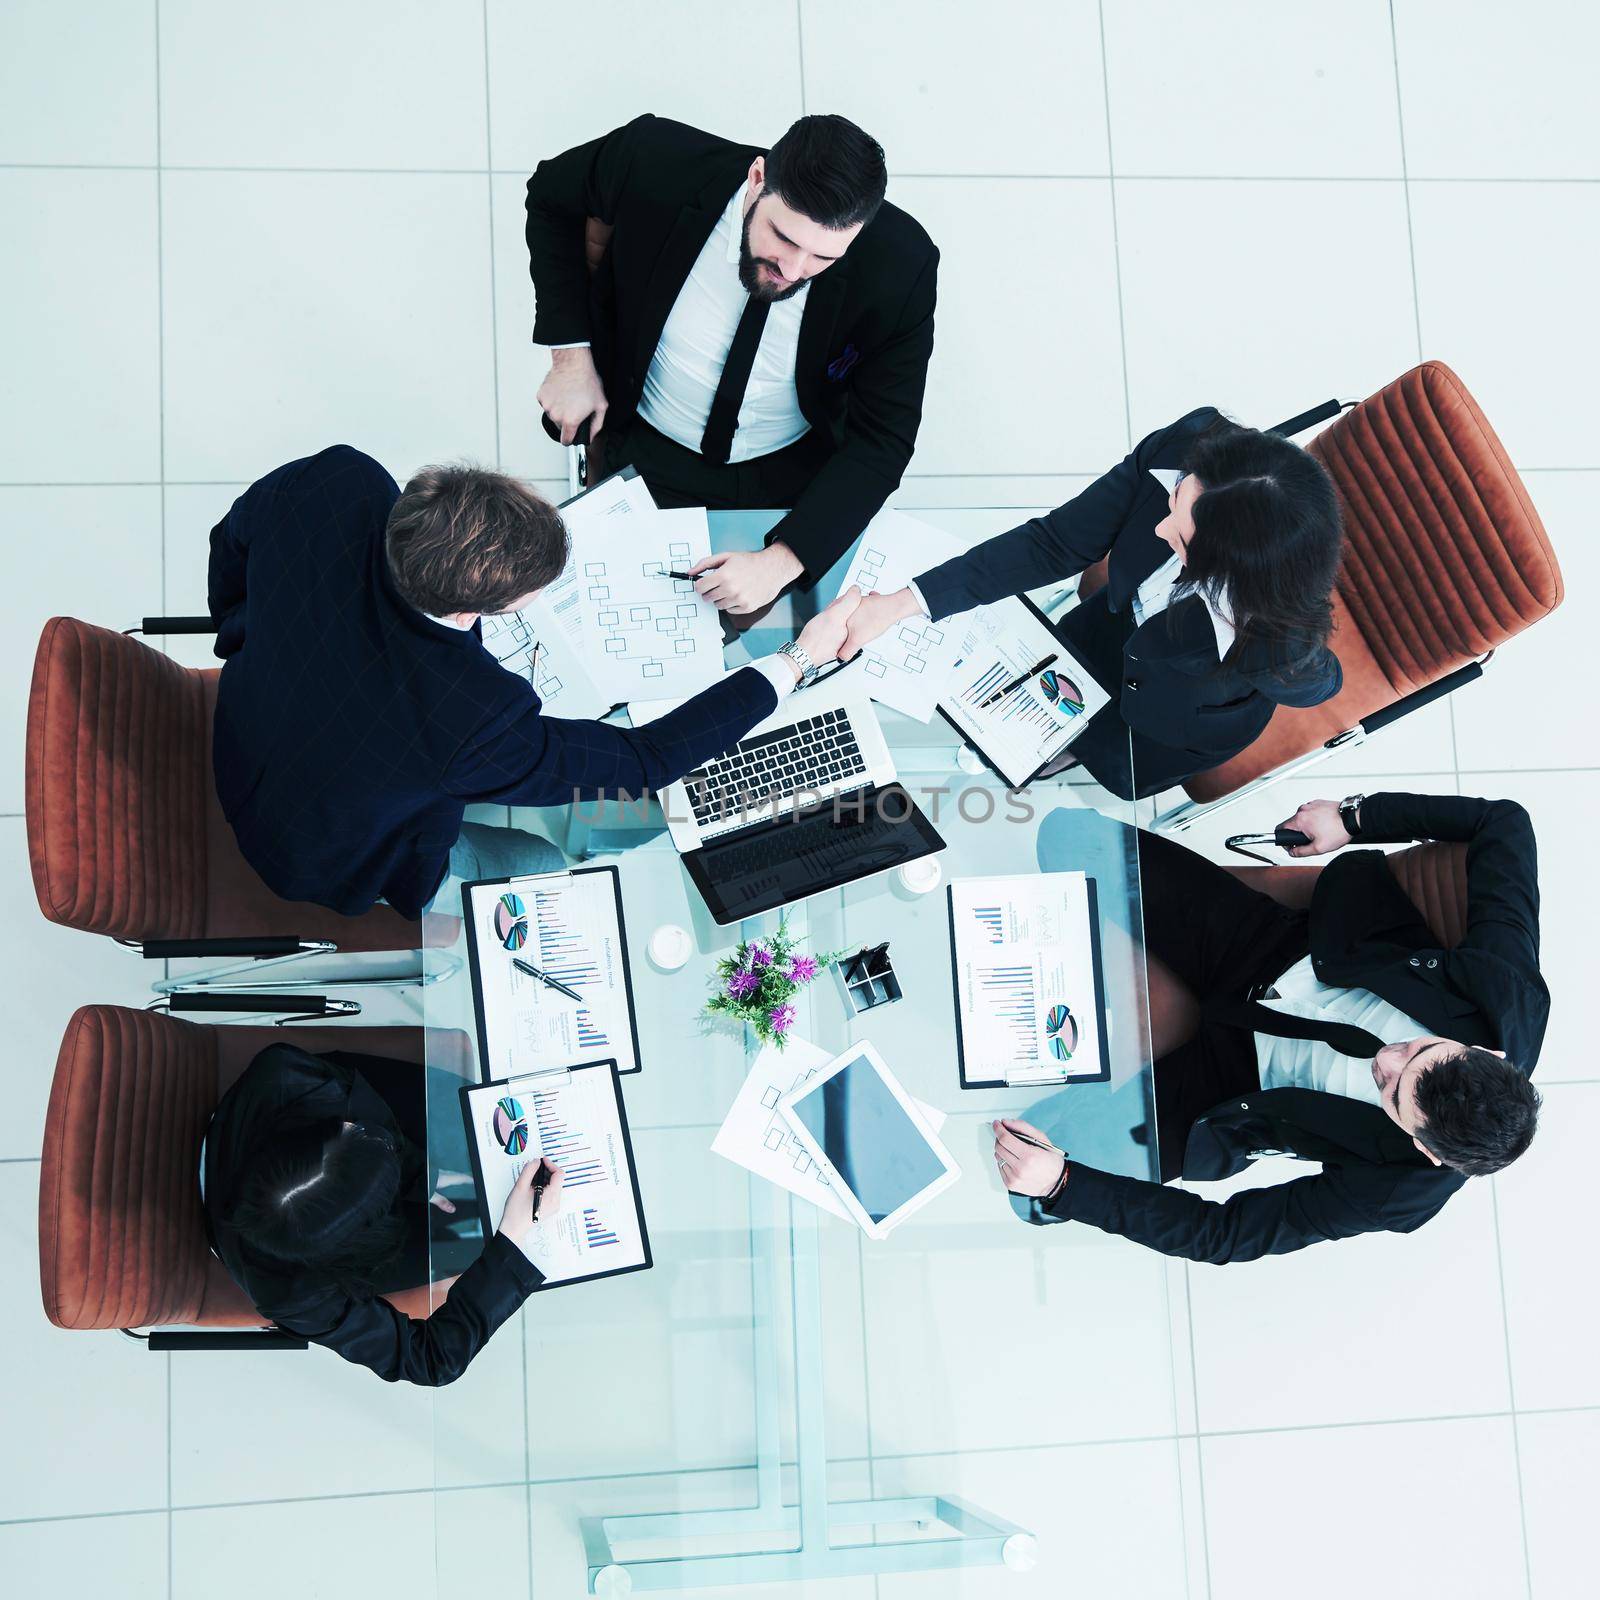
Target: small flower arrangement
757, 984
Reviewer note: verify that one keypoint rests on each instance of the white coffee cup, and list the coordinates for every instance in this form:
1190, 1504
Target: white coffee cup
670, 946
921, 875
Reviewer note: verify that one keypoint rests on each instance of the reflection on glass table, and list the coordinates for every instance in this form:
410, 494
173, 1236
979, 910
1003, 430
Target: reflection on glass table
781, 1397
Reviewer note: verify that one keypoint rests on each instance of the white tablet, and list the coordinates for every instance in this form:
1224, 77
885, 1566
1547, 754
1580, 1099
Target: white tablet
867, 1135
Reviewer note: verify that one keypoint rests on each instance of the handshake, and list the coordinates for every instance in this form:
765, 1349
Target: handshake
843, 629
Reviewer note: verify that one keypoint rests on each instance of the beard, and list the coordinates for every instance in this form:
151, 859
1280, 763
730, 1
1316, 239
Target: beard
749, 274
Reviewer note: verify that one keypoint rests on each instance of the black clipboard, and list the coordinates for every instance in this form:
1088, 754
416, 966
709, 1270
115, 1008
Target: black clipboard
620, 476
477, 975
970, 740
1064, 1082
466, 1092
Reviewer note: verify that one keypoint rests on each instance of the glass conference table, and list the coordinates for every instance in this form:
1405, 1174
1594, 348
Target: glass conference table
780, 1398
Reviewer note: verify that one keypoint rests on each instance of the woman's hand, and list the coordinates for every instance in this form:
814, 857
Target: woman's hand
1027, 1167
1320, 822
518, 1219
823, 635
876, 614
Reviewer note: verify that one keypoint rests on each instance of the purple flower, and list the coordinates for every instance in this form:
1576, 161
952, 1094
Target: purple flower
760, 956
781, 1018
802, 969
742, 984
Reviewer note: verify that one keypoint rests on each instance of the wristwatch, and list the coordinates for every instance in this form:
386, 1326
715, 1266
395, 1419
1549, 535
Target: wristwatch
808, 667
1350, 814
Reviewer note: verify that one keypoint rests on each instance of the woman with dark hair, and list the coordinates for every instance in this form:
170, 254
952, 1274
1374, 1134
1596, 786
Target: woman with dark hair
1223, 543
319, 1199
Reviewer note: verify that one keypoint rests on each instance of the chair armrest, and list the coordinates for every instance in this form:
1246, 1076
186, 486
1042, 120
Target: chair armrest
175, 625
223, 1339
275, 944
299, 1005
1424, 696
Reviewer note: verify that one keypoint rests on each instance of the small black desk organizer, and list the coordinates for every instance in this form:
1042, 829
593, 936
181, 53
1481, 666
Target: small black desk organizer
867, 979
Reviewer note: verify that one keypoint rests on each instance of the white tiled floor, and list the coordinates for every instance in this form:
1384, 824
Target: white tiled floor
239, 232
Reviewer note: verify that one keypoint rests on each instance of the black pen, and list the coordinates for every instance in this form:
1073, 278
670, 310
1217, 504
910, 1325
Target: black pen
541, 1181
1037, 1144
690, 576
544, 978
1017, 683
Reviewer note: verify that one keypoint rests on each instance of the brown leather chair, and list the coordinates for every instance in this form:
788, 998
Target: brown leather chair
125, 834
1445, 560
121, 1240
1434, 877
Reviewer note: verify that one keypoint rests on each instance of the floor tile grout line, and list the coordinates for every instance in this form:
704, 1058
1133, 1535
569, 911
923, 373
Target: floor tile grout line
1405, 183
749, 1466
1511, 1386
1490, 180
800, 49
1116, 243
494, 307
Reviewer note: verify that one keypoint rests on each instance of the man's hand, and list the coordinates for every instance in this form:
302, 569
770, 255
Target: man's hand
742, 581
572, 391
875, 615
1026, 1167
1319, 821
517, 1220
824, 633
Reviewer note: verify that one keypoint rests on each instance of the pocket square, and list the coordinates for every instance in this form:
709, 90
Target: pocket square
840, 365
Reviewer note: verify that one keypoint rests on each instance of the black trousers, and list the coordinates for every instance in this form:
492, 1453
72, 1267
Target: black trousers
679, 477
1221, 940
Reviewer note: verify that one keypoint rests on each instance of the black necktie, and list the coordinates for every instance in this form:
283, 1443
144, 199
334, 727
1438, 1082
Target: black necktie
717, 440
1345, 1037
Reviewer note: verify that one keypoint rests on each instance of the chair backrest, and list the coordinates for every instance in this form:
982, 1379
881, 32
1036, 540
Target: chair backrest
121, 1239
116, 785
1434, 877
125, 834
1445, 560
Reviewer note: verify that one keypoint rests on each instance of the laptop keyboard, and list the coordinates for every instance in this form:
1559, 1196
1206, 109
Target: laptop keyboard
817, 755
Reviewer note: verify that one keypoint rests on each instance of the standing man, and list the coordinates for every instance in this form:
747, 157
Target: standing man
746, 328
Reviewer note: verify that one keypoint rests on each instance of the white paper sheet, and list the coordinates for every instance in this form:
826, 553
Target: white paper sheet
576, 1125
756, 1135
1025, 977
560, 679
909, 667
566, 925
998, 644
649, 637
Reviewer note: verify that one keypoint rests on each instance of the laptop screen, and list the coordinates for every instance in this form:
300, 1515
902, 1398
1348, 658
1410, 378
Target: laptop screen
837, 842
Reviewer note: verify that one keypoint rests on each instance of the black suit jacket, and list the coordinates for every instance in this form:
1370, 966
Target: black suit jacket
285, 1087
1364, 933
1173, 688
351, 731
865, 336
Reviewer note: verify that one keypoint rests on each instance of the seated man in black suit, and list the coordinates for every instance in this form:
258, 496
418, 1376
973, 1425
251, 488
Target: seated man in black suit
757, 332
359, 714
1342, 1034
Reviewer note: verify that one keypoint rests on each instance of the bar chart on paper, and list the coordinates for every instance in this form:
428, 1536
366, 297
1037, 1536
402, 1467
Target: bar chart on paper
573, 1121
567, 925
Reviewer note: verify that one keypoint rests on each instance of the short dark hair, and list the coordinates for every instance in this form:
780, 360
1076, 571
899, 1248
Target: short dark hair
1268, 536
323, 1198
1478, 1111
828, 170
462, 538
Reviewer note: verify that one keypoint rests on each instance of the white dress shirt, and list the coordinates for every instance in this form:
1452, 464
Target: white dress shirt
693, 348
1313, 1064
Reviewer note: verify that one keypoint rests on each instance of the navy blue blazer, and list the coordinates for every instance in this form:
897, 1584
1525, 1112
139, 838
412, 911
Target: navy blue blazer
1173, 689
352, 731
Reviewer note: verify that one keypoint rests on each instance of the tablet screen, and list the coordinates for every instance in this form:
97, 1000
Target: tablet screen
877, 1150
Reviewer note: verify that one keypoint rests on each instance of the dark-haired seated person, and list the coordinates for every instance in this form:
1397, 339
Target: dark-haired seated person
1224, 544
319, 1199
359, 714
757, 332
1342, 1034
